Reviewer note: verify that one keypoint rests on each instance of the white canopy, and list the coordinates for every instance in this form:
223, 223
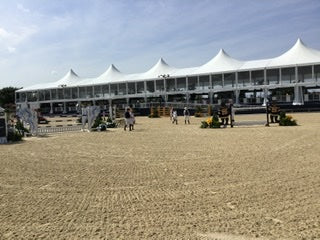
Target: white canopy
299, 54
222, 62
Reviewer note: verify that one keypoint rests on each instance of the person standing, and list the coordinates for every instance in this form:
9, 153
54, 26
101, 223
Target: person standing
186, 115
132, 119
174, 117
127, 118
171, 113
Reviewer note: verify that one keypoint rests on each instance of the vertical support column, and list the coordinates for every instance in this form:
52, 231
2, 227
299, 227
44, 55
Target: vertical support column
280, 76
265, 77
51, 107
110, 109
236, 80
64, 107
198, 82
296, 74
312, 73
211, 97
145, 91
210, 90
175, 84
127, 89
222, 80
250, 79
237, 93
78, 90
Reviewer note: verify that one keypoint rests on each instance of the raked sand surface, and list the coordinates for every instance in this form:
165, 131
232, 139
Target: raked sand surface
165, 181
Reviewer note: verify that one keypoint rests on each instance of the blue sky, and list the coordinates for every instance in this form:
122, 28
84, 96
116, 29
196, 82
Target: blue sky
40, 40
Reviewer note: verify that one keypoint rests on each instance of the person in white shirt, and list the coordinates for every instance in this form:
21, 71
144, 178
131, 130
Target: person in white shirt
175, 117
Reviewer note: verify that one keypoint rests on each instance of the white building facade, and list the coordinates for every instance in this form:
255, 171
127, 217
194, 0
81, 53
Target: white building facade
222, 78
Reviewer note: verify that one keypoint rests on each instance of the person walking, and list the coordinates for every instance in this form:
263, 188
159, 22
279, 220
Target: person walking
186, 115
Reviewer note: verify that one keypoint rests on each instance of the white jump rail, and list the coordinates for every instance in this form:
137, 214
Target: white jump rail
60, 129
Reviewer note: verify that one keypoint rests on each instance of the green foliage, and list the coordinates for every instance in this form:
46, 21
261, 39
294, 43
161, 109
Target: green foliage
212, 122
21, 128
110, 123
97, 122
7, 96
287, 120
14, 135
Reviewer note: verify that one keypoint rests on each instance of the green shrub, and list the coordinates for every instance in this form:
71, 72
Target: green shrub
212, 122
97, 122
14, 136
287, 120
21, 128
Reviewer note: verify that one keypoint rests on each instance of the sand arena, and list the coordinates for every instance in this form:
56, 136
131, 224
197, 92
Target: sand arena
165, 181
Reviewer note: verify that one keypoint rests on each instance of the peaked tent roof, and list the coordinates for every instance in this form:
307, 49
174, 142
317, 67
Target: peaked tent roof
298, 54
222, 62
161, 67
70, 78
111, 74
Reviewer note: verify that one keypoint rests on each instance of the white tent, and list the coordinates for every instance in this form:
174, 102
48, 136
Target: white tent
298, 54
222, 62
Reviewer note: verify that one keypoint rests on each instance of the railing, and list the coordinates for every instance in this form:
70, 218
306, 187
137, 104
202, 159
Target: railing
59, 129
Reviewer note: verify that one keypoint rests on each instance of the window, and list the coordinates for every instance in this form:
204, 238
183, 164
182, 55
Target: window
243, 79
170, 85
67, 93
41, 96
159, 85
217, 81
317, 72
89, 92
98, 91
229, 80
192, 83
54, 94
105, 90
114, 89
122, 89
131, 88
74, 93
150, 86
287, 75
60, 93
181, 84
140, 87
47, 95
257, 77
204, 82
305, 74
273, 76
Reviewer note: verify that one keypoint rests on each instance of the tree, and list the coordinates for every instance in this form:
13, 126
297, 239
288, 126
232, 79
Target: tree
7, 96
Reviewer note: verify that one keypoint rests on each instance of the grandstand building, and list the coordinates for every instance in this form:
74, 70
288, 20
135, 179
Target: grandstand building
293, 77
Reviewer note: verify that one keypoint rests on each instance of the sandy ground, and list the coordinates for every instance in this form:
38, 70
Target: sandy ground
165, 181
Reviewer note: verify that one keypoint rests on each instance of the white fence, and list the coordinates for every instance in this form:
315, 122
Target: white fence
59, 129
